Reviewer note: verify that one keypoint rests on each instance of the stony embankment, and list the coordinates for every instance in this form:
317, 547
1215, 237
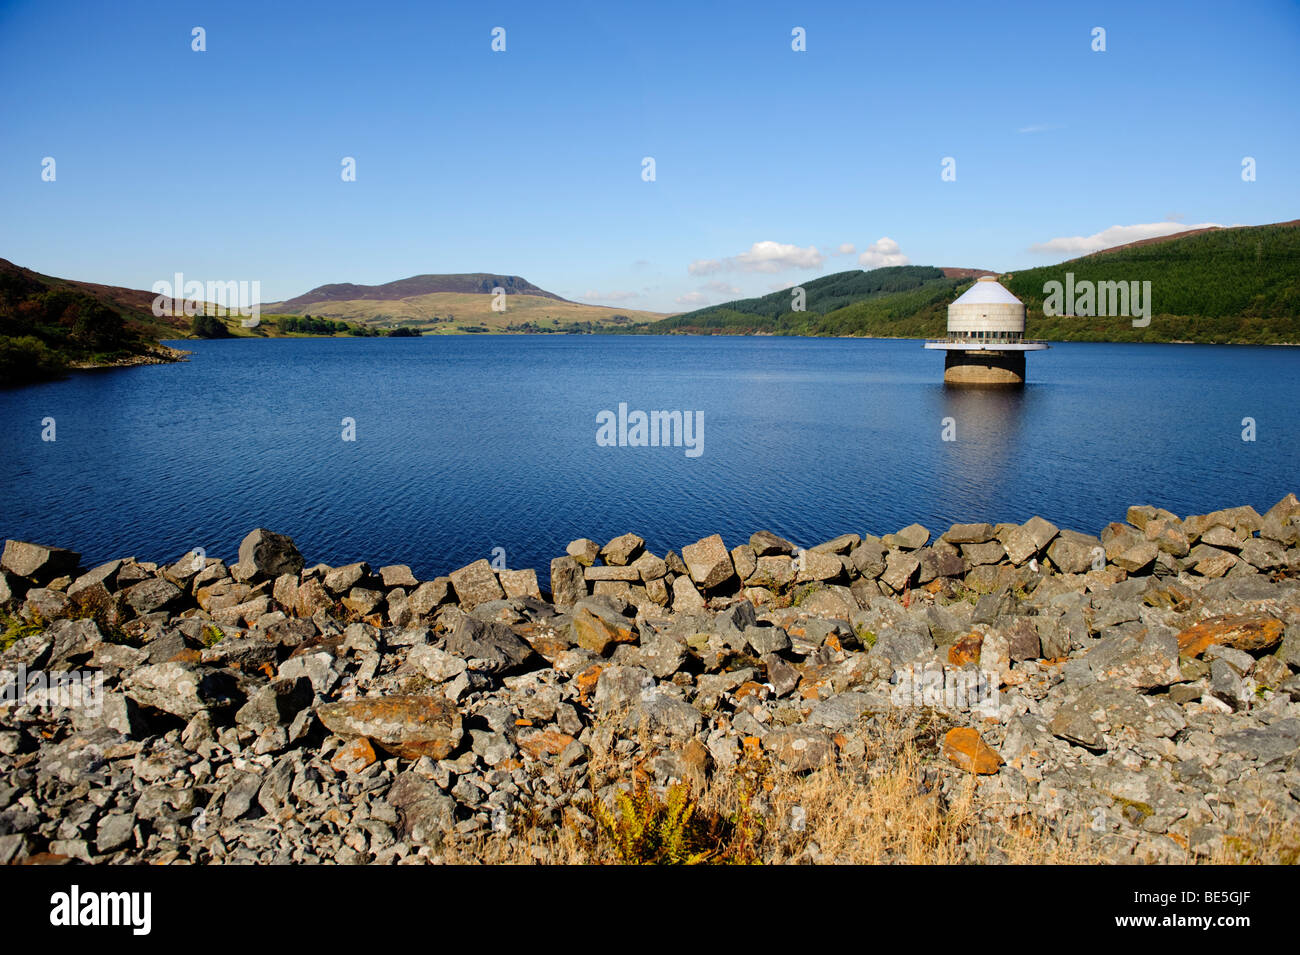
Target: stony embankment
1135, 691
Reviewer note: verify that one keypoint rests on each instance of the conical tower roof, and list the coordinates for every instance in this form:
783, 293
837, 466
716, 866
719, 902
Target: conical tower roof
986, 291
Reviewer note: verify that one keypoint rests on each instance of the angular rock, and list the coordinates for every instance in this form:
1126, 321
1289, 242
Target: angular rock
584, 551
438, 665
708, 562
966, 749
899, 570
265, 555
599, 630
767, 544
622, 550
342, 579
1075, 554
1101, 709
354, 756
38, 562
312, 598
818, 565
152, 595
1021, 636
397, 575
520, 583
275, 703
618, 687
567, 583
179, 689
658, 713
775, 573
475, 584
650, 567
1144, 660
743, 559
912, 537
428, 597
991, 552
837, 545
1250, 632
407, 726
686, 599
1137, 558
104, 574
499, 648
969, 534
800, 749
662, 655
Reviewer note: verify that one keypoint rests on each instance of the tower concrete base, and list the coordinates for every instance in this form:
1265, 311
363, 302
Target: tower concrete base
988, 369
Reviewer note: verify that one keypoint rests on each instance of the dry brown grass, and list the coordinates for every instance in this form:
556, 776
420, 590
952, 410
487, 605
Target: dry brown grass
1266, 837
887, 806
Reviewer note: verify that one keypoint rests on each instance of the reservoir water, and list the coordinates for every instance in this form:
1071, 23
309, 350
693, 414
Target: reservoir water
468, 444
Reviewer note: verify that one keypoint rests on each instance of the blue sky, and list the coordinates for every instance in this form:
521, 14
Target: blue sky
225, 164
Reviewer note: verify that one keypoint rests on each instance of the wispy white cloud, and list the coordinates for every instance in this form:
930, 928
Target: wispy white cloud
768, 257
1040, 128
1115, 235
616, 296
884, 251
693, 299
846, 248
721, 288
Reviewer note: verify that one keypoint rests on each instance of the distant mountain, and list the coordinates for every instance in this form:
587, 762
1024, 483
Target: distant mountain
1218, 285
455, 303
463, 283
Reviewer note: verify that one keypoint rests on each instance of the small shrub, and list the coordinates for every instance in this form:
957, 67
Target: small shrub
15, 628
98, 606
646, 829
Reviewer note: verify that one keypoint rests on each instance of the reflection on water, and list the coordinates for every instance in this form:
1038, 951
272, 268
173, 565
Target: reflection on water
984, 425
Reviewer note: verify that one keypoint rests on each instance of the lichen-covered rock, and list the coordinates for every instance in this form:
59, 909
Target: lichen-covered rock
404, 725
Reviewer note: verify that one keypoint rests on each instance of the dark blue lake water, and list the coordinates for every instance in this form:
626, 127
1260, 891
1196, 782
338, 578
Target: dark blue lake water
471, 443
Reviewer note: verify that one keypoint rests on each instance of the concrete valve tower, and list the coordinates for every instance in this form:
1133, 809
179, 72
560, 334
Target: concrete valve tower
986, 337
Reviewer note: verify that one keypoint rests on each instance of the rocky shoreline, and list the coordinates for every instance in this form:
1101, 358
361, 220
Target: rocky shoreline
157, 354
1016, 692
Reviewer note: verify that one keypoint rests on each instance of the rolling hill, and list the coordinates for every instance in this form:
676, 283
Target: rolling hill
456, 303
1228, 285
48, 325
1220, 285
901, 291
